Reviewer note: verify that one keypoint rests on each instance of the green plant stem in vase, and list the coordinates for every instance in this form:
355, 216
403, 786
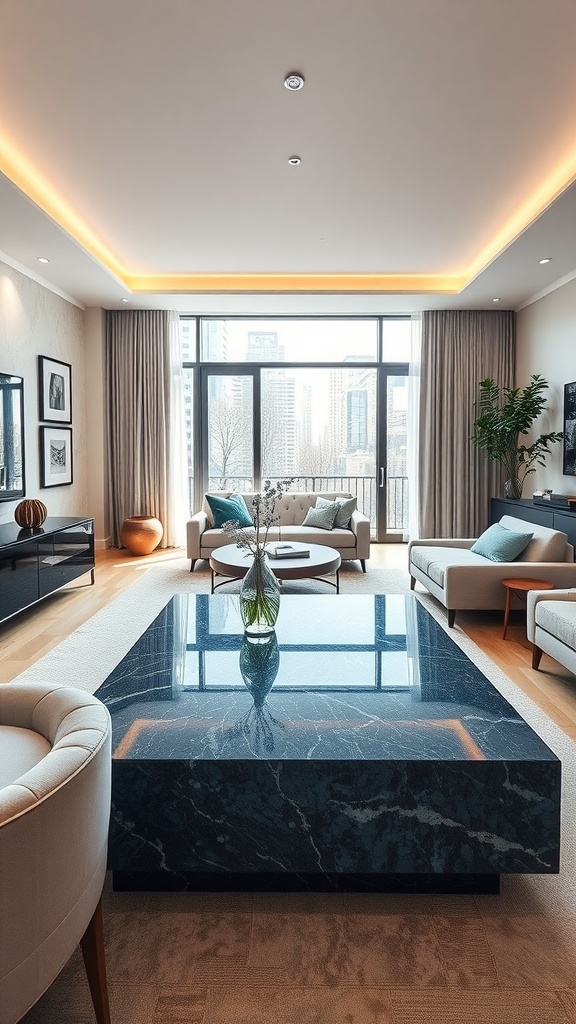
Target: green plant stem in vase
259, 597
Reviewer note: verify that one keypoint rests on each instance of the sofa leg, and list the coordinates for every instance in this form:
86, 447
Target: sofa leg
412, 582
363, 564
192, 563
537, 653
451, 616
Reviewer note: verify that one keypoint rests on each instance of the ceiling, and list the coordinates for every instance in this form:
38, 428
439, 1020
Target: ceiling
144, 150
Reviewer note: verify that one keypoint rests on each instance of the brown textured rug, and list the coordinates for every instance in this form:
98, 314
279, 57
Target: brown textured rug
183, 958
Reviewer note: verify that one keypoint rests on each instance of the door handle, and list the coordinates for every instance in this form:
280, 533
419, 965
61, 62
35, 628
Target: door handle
382, 475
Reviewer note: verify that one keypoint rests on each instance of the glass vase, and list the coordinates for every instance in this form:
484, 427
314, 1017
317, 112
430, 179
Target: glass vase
513, 488
259, 597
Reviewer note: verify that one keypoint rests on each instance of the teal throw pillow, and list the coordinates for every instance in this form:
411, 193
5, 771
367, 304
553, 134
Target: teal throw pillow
225, 509
346, 506
501, 545
322, 517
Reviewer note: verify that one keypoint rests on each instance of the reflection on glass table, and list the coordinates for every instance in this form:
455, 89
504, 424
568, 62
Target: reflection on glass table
360, 677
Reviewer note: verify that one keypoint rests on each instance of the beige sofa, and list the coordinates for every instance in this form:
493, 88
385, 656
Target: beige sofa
551, 626
461, 579
351, 543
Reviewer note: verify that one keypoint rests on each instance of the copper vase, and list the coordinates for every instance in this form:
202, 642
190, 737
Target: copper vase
141, 534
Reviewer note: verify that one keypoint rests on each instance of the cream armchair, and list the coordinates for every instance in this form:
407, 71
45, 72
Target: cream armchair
55, 769
551, 626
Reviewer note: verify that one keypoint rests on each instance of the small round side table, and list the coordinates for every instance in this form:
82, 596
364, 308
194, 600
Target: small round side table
520, 586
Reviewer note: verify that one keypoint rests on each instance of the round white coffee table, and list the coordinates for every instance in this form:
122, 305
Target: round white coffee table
234, 562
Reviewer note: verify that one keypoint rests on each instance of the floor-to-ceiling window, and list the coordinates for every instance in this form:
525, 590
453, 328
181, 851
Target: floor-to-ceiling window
322, 400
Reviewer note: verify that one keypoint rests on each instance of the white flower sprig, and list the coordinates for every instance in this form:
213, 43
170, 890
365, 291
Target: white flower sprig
254, 538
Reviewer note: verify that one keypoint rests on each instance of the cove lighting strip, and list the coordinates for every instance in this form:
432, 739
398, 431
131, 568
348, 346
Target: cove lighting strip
30, 181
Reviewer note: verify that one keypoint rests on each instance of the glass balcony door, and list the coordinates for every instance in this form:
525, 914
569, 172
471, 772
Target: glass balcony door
330, 428
315, 424
230, 429
392, 484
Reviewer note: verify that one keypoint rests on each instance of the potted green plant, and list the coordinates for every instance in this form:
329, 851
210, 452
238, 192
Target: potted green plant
503, 415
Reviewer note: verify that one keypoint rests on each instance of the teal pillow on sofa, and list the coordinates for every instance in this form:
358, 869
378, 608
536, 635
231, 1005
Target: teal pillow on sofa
501, 545
225, 509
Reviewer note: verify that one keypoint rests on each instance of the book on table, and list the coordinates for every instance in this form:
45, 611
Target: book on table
286, 550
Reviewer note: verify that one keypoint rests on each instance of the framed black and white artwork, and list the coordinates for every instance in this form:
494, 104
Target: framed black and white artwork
54, 390
570, 429
55, 456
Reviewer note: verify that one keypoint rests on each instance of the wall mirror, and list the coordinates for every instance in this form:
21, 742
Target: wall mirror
11, 437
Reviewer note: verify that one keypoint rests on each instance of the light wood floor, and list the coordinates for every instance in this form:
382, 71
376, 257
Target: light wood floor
28, 636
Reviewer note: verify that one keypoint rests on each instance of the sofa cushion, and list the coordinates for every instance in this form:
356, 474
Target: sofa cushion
322, 516
433, 561
559, 619
310, 535
340, 539
225, 509
500, 544
346, 506
546, 545
20, 750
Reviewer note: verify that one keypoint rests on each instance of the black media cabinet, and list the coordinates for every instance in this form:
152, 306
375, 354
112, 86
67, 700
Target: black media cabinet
36, 563
524, 508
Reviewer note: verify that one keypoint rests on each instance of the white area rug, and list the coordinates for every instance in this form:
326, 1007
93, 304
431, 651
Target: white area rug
87, 657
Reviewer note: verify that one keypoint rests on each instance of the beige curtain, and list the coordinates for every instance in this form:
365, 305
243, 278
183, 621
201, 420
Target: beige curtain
456, 481
144, 414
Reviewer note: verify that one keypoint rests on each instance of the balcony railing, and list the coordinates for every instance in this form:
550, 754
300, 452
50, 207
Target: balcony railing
364, 488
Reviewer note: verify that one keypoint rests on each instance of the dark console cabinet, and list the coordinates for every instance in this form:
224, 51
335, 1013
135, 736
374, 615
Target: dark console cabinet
35, 563
525, 509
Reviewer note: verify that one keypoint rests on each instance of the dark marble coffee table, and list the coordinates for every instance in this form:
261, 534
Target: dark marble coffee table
361, 747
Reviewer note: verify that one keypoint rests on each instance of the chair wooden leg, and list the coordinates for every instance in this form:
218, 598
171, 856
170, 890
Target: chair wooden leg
451, 616
92, 944
192, 564
412, 582
536, 656
363, 564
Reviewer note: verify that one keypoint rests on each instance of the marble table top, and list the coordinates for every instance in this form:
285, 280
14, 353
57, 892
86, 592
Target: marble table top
347, 678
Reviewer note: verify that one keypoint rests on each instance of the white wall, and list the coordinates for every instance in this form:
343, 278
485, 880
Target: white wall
546, 344
33, 322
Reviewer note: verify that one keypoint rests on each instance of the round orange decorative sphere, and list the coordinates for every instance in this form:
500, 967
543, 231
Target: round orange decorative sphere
141, 534
30, 513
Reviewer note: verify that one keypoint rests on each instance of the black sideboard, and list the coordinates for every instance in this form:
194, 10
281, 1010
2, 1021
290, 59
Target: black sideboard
35, 563
524, 508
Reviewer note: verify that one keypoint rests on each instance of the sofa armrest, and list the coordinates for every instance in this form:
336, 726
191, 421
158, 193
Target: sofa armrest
194, 529
360, 526
535, 596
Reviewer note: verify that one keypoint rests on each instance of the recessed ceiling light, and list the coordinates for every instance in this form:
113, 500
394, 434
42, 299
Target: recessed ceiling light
294, 161
294, 81
43, 259
124, 300
495, 300
545, 259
